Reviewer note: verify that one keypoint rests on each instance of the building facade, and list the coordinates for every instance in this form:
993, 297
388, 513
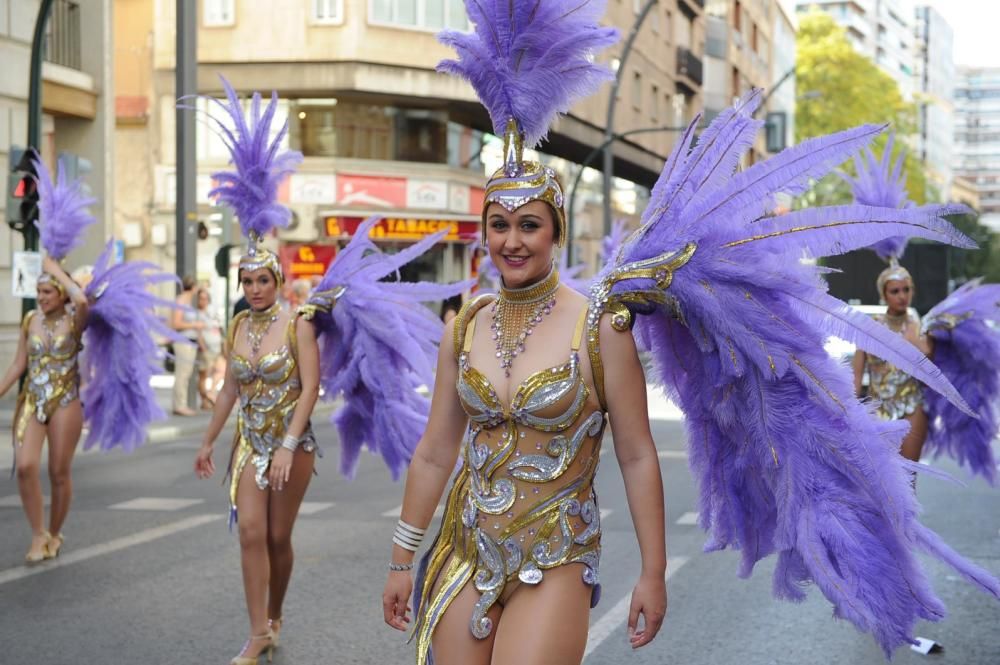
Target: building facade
880, 29
380, 130
977, 137
77, 101
934, 83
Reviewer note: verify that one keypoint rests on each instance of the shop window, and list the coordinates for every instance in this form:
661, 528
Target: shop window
327, 12
421, 136
420, 14
219, 13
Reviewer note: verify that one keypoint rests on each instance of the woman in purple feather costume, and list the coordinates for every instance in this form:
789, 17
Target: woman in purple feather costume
49, 345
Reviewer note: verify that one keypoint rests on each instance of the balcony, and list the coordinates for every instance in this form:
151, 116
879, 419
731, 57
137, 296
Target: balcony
62, 35
689, 68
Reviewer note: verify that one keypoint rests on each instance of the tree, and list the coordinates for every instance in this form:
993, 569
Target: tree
840, 88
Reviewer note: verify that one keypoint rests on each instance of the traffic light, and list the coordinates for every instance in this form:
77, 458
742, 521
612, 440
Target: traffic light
22, 191
222, 261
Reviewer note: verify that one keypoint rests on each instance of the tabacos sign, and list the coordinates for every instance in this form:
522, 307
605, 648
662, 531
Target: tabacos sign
306, 260
404, 228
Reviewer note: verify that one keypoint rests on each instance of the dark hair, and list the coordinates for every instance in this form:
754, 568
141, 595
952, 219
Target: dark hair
188, 282
453, 304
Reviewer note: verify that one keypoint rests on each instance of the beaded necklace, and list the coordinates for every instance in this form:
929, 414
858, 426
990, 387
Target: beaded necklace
516, 312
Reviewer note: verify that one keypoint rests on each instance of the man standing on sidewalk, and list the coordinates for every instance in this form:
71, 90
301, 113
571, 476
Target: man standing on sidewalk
185, 321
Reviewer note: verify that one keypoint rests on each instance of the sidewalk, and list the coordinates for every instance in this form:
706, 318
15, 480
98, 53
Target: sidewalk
171, 428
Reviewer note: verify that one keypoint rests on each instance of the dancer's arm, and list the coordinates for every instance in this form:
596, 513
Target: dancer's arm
625, 387
307, 362
858, 365
71, 288
432, 464
19, 364
203, 464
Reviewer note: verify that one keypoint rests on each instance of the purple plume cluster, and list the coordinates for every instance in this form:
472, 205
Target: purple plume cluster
530, 60
881, 183
965, 327
260, 165
378, 348
63, 213
788, 461
120, 351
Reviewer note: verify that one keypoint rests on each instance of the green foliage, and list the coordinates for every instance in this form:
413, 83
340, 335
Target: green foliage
983, 262
839, 88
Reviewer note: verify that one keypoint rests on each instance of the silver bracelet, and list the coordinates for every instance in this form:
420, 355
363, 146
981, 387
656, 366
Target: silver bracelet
408, 536
399, 567
290, 443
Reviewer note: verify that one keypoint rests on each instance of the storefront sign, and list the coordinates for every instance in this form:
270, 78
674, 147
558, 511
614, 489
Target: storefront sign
306, 260
404, 228
313, 188
427, 194
372, 191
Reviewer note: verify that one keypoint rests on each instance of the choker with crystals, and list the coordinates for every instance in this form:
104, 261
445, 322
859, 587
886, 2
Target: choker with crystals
259, 325
516, 312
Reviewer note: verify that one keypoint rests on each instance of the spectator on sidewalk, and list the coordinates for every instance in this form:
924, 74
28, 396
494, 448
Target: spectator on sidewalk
185, 321
210, 349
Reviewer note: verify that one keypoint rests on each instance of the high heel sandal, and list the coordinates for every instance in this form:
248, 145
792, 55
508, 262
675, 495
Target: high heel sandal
38, 555
252, 660
274, 629
53, 546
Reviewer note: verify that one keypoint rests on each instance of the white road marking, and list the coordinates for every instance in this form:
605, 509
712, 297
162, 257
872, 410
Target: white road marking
687, 519
605, 512
75, 556
398, 509
313, 507
14, 501
156, 503
612, 621
672, 454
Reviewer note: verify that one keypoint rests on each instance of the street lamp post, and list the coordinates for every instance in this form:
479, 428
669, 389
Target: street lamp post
609, 127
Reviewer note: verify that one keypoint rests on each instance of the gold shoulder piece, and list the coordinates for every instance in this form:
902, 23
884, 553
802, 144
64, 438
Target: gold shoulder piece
320, 301
467, 311
234, 326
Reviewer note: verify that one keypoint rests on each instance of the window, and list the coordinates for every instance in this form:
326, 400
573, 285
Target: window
327, 12
420, 14
637, 90
654, 104
219, 13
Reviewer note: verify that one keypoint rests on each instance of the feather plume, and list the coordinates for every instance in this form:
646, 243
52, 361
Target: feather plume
120, 351
788, 461
378, 346
879, 182
251, 190
62, 210
530, 59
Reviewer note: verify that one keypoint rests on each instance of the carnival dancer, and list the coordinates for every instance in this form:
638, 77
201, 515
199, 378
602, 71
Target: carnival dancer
69, 318
971, 359
279, 359
789, 461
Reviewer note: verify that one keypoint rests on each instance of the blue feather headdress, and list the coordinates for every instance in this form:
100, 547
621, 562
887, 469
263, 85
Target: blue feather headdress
62, 210
528, 62
251, 190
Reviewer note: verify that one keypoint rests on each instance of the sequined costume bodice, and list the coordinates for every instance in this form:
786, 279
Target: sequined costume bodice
53, 375
268, 394
899, 394
523, 501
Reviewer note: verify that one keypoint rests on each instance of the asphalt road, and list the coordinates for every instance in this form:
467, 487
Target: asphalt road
150, 574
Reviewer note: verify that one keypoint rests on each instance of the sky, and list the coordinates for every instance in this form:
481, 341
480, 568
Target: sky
975, 25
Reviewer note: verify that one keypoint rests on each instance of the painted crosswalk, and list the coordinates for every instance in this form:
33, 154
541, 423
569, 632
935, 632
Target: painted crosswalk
158, 504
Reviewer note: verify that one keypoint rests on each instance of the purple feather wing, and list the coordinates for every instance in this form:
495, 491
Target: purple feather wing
966, 332
63, 213
530, 59
260, 165
787, 460
881, 183
378, 345
120, 352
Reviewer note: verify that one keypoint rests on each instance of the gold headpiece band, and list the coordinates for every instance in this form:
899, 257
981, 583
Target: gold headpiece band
893, 272
258, 257
48, 278
519, 182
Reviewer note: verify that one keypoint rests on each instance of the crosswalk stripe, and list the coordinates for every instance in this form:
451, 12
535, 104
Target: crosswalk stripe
687, 519
14, 501
313, 507
154, 503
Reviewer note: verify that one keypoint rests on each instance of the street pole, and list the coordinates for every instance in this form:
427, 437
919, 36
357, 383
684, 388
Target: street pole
571, 202
186, 172
609, 127
34, 143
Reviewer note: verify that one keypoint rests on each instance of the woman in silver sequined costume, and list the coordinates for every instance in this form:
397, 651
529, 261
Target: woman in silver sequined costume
48, 405
899, 395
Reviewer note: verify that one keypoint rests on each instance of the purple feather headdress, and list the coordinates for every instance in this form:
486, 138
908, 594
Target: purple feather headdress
62, 210
880, 182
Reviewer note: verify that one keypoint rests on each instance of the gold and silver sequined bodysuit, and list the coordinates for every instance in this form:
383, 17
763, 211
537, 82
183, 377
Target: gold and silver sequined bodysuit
898, 393
269, 392
523, 501
53, 377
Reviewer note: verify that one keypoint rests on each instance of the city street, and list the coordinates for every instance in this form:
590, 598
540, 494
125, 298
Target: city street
150, 574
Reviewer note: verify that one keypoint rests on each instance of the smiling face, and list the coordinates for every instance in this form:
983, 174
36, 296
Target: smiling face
50, 299
521, 242
260, 288
898, 295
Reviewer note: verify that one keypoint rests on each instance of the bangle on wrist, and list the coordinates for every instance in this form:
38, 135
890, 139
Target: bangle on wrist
408, 536
290, 442
399, 567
